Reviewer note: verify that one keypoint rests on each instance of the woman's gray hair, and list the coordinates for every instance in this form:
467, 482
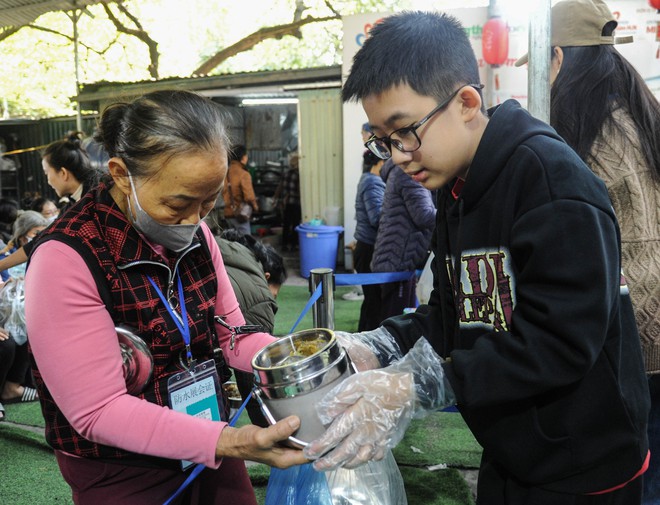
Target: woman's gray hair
161, 125
25, 221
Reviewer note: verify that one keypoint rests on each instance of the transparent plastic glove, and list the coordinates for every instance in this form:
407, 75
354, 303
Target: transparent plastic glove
370, 349
370, 411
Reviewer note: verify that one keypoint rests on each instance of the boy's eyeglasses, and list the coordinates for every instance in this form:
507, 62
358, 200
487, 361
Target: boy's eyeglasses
406, 139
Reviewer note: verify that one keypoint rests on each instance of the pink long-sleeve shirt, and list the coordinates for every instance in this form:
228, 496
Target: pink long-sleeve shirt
75, 345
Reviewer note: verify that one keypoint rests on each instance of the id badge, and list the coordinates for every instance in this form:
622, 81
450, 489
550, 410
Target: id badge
195, 392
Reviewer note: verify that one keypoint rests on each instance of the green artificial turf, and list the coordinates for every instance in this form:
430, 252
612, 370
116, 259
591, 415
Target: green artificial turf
25, 413
259, 477
30, 475
440, 487
439, 438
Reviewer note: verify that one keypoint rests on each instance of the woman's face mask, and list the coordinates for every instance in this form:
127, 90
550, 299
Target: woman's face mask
175, 237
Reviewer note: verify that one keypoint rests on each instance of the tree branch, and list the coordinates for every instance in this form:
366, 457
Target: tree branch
138, 32
331, 7
50, 30
248, 42
55, 32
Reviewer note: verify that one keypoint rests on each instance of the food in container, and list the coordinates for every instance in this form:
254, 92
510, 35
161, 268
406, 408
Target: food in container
293, 373
233, 394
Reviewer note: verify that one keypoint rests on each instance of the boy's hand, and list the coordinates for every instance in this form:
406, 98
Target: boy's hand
370, 413
366, 349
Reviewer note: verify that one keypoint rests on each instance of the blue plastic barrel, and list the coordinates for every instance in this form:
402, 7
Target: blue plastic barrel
318, 246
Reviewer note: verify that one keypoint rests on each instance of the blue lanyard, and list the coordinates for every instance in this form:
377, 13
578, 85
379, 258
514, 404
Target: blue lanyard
180, 321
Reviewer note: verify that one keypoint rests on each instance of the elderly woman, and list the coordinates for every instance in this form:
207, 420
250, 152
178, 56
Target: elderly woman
27, 226
134, 252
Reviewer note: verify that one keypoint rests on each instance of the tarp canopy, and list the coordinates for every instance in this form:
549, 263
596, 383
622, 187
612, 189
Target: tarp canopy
22, 12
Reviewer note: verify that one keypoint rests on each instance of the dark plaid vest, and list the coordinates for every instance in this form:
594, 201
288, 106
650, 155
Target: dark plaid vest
120, 261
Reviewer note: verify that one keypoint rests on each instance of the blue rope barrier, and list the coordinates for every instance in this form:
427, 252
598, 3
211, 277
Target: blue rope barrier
312, 300
371, 278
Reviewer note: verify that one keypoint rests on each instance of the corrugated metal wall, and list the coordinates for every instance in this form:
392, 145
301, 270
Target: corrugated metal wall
29, 176
57, 128
321, 159
22, 135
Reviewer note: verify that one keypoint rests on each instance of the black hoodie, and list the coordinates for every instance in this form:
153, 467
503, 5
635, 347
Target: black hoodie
545, 358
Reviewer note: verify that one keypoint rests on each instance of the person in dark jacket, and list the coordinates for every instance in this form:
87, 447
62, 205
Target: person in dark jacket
256, 272
607, 113
404, 237
529, 329
368, 205
287, 198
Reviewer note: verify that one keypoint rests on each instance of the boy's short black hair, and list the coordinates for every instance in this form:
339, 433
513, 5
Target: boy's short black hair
428, 51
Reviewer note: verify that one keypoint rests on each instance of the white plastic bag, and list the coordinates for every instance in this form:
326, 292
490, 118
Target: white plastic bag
425, 282
374, 483
12, 309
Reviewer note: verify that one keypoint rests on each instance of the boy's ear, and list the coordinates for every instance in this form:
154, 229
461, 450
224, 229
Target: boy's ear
471, 102
119, 173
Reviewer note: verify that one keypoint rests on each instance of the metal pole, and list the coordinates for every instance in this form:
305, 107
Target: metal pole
323, 312
538, 86
74, 18
488, 94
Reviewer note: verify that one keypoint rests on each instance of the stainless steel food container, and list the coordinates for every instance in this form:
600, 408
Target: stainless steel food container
137, 361
287, 383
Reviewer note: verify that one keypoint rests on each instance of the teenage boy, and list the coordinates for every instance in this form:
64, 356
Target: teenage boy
529, 329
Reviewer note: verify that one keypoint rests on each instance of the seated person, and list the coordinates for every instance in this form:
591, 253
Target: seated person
14, 366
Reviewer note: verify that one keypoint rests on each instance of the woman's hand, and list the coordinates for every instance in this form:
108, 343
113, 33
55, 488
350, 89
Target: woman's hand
261, 444
4, 334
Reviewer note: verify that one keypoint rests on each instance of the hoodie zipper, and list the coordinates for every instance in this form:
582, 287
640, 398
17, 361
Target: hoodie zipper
451, 328
456, 272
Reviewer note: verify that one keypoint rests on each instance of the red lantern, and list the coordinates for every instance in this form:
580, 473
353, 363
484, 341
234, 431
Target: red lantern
655, 4
495, 41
